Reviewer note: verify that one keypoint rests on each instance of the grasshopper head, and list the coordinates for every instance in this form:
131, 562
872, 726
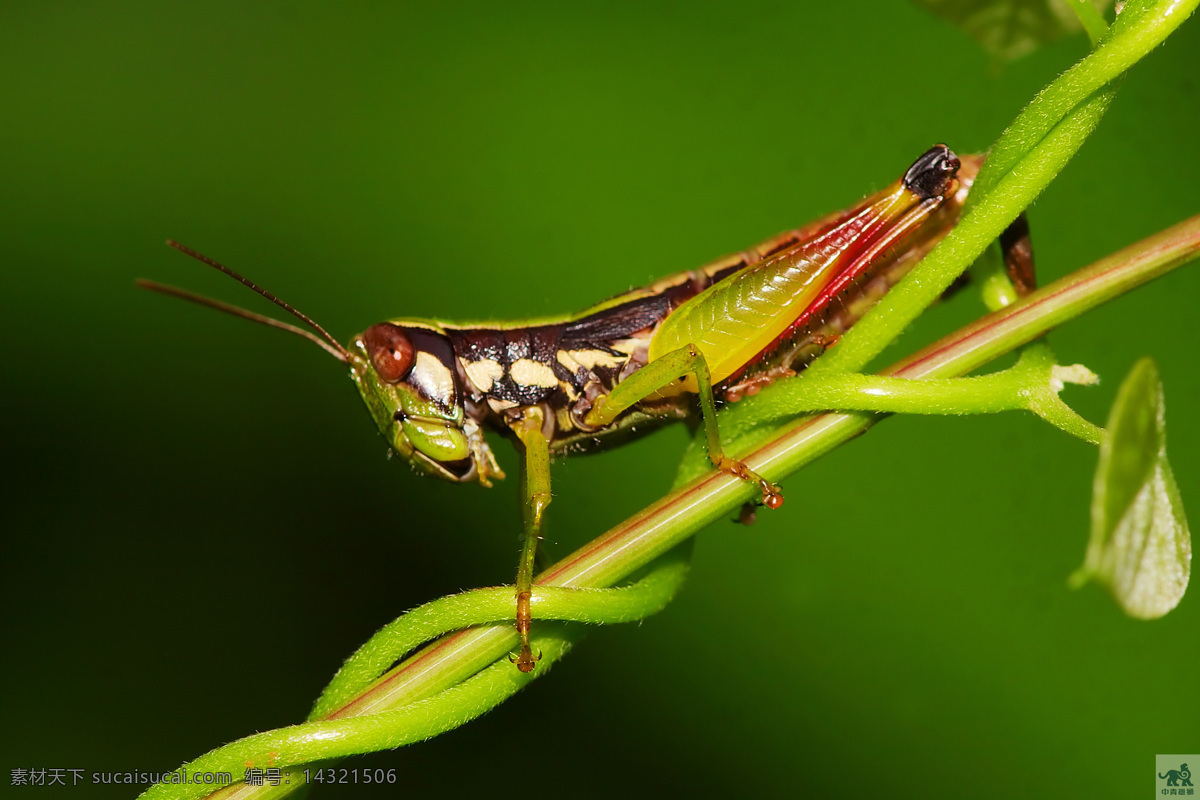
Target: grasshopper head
407, 376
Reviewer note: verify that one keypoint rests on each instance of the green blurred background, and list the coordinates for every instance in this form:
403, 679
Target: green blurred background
200, 521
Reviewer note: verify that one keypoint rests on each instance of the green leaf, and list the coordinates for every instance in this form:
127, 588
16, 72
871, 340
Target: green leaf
1009, 29
1140, 546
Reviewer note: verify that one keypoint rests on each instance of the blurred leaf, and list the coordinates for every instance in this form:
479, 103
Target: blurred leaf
1009, 29
1140, 546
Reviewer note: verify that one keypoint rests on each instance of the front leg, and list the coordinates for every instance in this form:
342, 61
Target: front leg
535, 496
661, 373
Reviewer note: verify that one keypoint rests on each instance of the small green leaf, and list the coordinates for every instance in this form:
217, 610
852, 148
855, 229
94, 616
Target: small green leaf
1140, 546
1009, 29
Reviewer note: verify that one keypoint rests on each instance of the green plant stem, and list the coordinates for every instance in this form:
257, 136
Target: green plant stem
1034, 149
463, 674
1093, 23
713, 496
1032, 384
963, 245
594, 606
316, 741
996, 287
416, 699
1138, 29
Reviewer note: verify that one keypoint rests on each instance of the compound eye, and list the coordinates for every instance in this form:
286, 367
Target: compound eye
391, 351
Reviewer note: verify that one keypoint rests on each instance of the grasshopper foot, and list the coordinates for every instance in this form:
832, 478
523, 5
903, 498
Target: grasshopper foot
772, 495
525, 660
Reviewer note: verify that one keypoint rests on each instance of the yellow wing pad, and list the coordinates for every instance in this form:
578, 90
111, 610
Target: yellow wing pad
734, 321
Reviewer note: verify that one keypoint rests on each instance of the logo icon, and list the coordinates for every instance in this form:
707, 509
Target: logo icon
1174, 775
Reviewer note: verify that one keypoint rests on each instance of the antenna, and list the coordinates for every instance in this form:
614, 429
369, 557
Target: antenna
327, 342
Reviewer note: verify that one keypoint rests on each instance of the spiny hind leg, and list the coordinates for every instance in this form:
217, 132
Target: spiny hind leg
657, 375
1017, 249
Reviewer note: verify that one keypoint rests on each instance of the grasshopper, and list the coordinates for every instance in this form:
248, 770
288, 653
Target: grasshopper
642, 358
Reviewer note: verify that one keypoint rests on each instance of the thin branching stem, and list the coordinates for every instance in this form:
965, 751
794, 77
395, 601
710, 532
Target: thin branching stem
466, 672
418, 698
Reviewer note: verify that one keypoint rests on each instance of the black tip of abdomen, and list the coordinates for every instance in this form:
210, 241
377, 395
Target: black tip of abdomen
932, 173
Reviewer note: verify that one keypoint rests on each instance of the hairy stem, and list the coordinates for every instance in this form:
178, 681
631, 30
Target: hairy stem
464, 673
1032, 384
